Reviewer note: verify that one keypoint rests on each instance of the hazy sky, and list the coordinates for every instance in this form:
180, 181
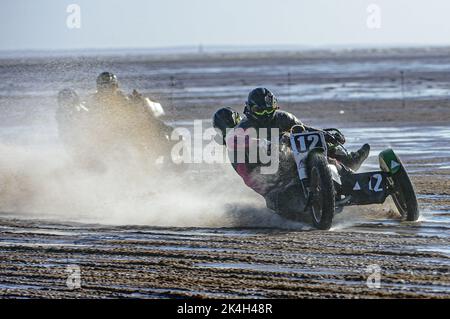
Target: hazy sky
41, 24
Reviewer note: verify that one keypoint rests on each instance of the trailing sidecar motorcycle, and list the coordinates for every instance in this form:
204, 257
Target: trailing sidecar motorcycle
97, 135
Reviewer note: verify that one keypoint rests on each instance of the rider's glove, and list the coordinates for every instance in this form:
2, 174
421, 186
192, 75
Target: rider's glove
334, 136
339, 137
285, 139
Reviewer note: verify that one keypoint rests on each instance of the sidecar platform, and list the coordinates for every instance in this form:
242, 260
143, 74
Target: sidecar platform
365, 188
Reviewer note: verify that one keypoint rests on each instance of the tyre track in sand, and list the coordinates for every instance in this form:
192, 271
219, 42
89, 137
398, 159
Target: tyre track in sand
166, 262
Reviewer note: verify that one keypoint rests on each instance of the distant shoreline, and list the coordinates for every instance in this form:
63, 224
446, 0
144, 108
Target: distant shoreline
232, 52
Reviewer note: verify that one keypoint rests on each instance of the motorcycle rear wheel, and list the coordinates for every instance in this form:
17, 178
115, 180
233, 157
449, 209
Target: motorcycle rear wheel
322, 193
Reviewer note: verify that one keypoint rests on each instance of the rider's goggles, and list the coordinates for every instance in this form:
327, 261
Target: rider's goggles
260, 111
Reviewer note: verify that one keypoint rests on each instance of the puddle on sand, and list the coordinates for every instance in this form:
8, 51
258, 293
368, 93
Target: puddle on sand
421, 228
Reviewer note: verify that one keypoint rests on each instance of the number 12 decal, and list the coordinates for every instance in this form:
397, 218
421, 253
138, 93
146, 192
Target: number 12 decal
379, 179
314, 139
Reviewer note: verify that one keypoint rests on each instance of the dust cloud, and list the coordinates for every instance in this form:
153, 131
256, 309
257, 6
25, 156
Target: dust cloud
48, 182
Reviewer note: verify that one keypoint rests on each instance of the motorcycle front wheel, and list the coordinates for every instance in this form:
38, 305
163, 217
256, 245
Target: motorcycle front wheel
404, 195
321, 191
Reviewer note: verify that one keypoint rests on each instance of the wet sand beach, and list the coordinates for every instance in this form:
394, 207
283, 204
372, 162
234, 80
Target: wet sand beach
244, 250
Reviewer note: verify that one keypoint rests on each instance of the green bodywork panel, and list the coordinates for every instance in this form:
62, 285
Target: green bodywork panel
389, 162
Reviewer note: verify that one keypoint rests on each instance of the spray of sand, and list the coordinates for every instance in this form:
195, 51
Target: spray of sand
47, 183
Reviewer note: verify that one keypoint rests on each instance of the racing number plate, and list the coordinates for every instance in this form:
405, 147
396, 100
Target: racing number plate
304, 142
301, 144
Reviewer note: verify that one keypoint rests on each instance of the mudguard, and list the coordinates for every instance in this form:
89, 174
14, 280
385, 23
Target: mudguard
389, 161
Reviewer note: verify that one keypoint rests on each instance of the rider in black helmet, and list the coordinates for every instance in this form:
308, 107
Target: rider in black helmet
68, 98
69, 106
223, 120
107, 81
71, 116
262, 111
108, 98
260, 106
108, 90
128, 121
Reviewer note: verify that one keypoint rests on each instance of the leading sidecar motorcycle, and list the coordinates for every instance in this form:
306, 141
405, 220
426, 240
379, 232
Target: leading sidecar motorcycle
327, 187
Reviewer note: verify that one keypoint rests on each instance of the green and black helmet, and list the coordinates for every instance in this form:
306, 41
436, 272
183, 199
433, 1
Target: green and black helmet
261, 104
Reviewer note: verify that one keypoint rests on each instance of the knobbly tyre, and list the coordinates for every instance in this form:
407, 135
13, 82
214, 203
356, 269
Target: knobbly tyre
327, 187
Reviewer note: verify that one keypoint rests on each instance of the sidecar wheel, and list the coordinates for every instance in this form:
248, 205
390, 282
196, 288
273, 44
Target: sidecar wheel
322, 200
404, 195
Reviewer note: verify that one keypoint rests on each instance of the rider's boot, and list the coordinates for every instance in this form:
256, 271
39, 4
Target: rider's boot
355, 159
